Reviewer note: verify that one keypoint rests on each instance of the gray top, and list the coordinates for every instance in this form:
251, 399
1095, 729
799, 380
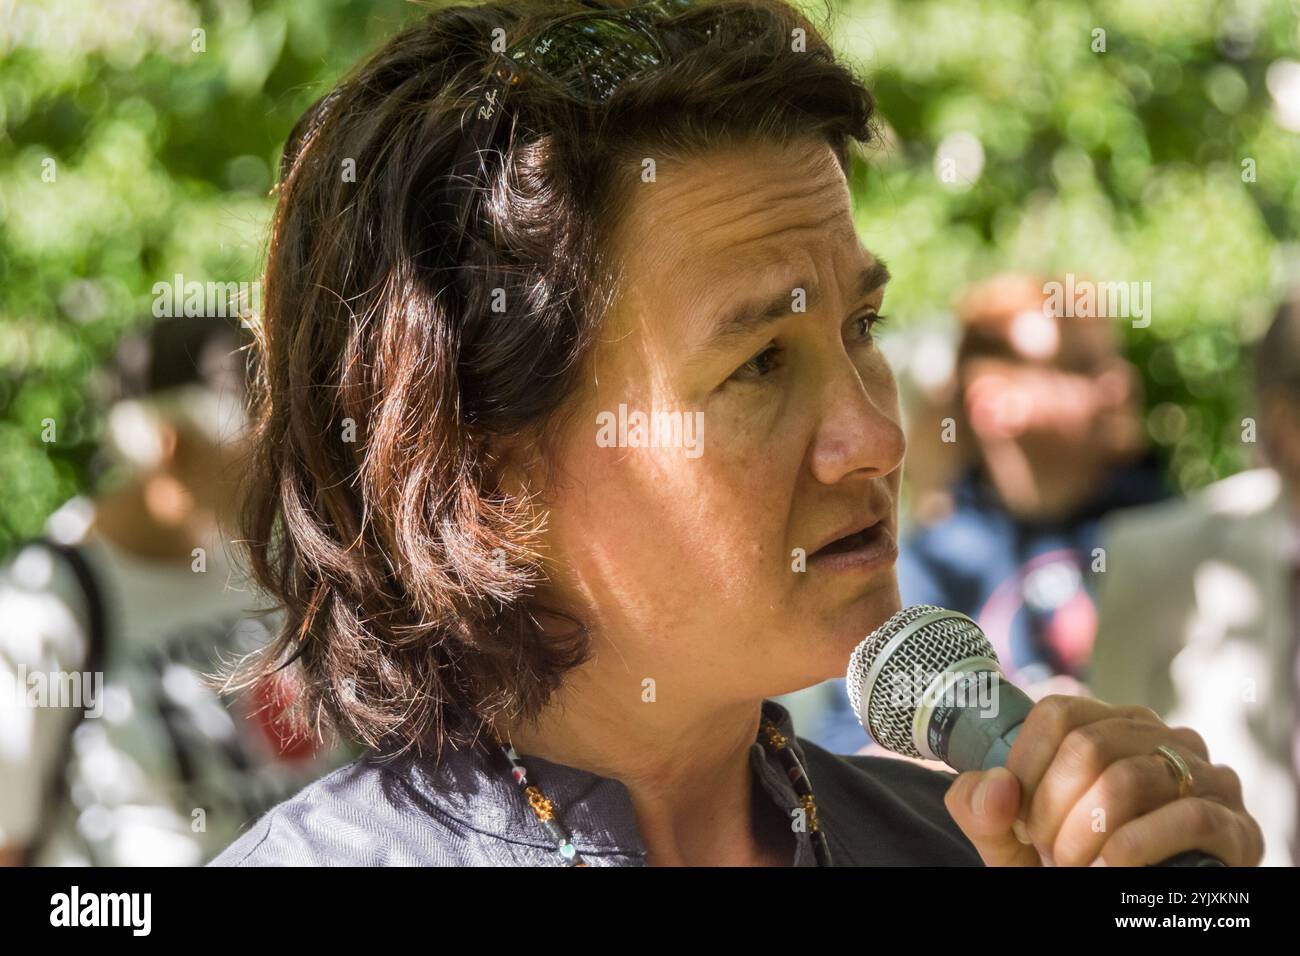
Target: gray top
468, 811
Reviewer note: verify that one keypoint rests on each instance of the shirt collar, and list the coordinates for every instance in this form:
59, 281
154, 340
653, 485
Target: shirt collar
475, 786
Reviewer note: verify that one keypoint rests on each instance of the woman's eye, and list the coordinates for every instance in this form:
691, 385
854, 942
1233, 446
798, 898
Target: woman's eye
865, 324
767, 361
760, 366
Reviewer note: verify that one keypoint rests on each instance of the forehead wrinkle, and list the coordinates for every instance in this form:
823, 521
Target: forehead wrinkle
776, 247
677, 213
771, 247
692, 219
727, 190
736, 185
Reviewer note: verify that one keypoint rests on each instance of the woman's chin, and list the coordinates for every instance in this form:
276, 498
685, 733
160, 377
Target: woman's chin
826, 654
855, 620
853, 625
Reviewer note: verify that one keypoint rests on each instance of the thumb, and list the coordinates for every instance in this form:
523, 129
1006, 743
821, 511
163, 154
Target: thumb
984, 804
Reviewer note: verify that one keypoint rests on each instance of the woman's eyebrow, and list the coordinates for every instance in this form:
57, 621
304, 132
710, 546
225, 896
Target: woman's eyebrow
744, 320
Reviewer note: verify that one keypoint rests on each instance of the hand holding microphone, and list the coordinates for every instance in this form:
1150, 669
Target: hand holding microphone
1070, 781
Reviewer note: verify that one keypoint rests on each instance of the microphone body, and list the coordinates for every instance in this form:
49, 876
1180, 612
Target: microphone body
927, 684
974, 719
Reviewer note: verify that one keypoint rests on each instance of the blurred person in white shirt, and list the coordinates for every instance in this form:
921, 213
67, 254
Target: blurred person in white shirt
1200, 605
114, 747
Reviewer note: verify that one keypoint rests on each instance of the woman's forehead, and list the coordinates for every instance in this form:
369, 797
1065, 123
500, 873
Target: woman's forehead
760, 275
724, 223
716, 229
729, 203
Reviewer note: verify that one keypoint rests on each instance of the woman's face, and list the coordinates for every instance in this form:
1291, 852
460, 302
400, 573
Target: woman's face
694, 560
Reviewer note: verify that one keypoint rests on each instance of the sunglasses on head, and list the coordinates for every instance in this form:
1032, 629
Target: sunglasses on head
585, 55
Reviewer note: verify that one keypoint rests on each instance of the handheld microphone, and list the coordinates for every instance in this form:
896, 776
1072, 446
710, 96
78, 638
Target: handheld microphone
927, 684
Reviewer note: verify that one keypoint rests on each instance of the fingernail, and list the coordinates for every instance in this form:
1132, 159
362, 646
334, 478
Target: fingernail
1021, 831
979, 796
1098, 862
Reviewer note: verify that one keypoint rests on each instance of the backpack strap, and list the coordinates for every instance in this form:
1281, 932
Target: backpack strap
96, 612
96, 625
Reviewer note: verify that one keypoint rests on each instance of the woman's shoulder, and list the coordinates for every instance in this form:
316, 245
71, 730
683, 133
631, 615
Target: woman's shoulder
359, 815
885, 811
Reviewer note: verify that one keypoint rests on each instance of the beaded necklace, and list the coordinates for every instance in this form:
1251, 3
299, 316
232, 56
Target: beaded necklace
773, 741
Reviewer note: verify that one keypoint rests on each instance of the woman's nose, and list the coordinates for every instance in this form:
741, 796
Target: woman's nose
859, 429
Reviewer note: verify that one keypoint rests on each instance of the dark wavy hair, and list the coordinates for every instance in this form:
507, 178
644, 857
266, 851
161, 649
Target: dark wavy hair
382, 372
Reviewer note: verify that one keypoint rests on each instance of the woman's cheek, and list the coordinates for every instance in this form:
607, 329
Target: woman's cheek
744, 422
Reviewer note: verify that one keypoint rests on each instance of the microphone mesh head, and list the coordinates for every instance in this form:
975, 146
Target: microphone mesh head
929, 649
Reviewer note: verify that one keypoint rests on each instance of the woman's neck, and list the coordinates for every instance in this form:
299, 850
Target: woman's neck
687, 770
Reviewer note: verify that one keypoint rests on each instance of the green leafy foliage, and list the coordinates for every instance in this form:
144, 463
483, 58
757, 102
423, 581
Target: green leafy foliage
133, 148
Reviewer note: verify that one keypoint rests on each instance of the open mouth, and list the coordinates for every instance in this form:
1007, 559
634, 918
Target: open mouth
867, 550
851, 542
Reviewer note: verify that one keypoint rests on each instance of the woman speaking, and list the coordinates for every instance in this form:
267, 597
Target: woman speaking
574, 446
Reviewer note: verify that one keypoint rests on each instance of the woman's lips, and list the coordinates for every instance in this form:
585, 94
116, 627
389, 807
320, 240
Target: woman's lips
868, 550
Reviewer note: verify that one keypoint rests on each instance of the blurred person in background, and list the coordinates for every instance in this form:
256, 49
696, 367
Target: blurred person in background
1200, 604
1043, 432
139, 761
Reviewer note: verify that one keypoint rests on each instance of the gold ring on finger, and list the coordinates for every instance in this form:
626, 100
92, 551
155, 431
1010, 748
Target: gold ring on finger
1180, 768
